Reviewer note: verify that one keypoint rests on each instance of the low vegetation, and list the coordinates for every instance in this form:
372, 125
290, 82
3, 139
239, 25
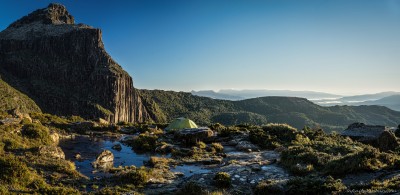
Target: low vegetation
222, 180
272, 136
328, 154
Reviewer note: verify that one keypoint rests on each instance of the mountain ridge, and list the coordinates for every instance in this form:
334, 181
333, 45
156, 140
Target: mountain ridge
297, 112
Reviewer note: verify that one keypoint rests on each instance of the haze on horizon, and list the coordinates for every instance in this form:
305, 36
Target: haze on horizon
335, 46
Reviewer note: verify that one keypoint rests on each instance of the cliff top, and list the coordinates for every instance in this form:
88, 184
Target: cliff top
53, 14
54, 20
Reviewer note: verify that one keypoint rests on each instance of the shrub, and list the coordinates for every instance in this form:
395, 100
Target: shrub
222, 180
217, 127
201, 145
397, 132
159, 162
228, 131
303, 155
48, 119
268, 187
217, 147
145, 142
14, 172
137, 177
313, 133
272, 136
191, 188
75, 119
314, 185
37, 132
367, 160
376, 185
59, 190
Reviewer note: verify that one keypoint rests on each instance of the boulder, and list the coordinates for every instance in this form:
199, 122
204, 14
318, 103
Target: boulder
246, 146
55, 137
10, 121
387, 141
364, 133
165, 148
103, 122
378, 136
117, 147
104, 160
51, 151
78, 157
193, 135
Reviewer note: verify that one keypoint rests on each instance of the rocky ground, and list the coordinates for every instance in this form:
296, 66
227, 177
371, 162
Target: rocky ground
53, 155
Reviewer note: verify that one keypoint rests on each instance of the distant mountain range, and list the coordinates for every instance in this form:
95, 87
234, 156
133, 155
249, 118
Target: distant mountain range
230, 94
389, 99
298, 112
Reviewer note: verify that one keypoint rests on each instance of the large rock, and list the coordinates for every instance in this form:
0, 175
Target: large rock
194, 135
364, 133
10, 121
387, 141
104, 160
51, 151
55, 137
65, 69
246, 146
378, 136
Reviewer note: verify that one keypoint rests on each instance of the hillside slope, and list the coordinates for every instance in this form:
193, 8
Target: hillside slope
297, 112
12, 99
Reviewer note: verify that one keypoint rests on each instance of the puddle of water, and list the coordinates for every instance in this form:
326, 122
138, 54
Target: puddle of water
189, 170
89, 148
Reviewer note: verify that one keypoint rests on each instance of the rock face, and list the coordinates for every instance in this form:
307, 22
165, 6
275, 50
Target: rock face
65, 69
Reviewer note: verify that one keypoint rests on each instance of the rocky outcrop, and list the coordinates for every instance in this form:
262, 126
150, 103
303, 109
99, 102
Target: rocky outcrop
387, 141
52, 152
194, 135
65, 69
364, 133
378, 136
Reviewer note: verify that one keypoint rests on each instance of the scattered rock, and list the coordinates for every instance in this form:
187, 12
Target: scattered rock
10, 121
51, 151
246, 146
255, 167
117, 147
212, 161
55, 137
104, 160
165, 148
78, 156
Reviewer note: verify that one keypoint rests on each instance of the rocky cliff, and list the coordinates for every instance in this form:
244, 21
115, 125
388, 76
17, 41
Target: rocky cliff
65, 69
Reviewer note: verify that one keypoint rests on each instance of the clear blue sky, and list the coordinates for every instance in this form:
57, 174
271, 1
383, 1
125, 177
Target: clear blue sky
338, 46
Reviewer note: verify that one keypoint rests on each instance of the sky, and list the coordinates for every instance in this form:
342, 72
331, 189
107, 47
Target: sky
336, 46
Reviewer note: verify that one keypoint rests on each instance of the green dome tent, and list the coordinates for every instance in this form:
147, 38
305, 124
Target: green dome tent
181, 123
